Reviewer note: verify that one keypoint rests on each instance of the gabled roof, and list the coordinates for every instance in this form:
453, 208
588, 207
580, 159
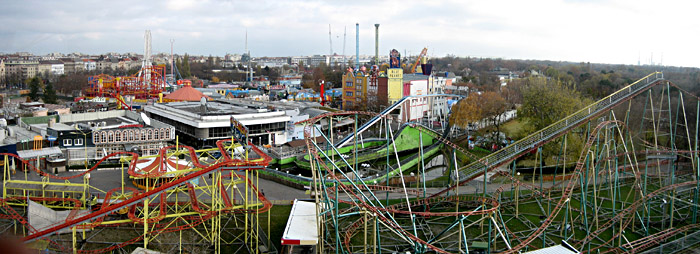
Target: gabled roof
186, 93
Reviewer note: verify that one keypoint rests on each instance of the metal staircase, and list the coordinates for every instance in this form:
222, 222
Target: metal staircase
559, 128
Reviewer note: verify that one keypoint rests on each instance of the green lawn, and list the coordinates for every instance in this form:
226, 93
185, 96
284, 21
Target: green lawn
515, 128
279, 214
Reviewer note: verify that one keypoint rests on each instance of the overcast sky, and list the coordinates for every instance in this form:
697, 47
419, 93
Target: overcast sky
599, 31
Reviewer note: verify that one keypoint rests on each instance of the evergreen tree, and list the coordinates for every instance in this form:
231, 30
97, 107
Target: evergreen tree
34, 87
185, 71
49, 94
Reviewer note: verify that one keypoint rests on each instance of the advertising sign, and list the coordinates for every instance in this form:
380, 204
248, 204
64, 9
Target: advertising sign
395, 59
239, 130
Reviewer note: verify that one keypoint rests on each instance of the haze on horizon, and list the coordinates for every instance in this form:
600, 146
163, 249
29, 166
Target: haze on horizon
597, 31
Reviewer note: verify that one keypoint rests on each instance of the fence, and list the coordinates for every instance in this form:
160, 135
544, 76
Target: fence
690, 240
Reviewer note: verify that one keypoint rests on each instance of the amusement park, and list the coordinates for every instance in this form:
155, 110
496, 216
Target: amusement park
631, 186
383, 156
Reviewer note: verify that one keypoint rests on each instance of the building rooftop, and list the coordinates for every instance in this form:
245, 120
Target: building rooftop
50, 62
414, 76
106, 120
16, 134
186, 93
217, 113
215, 108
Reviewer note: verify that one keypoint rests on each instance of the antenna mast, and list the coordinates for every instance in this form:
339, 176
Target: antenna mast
145, 73
146, 50
344, 33
330, 41
172, 59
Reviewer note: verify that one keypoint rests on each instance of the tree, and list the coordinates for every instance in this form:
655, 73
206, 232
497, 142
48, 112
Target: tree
546, 101
210, 61
488, 106
71, 83
34, 88
307, 81
184, 66
313, 81
273, 75
49, 94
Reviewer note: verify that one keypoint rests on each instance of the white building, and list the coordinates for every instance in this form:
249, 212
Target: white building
425, 108
57, 68
199, 125
416, 108
272, 62
89, 65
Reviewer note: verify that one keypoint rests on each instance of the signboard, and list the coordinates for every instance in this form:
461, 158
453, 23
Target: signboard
394, 59
395, 74
239, 130
395, 84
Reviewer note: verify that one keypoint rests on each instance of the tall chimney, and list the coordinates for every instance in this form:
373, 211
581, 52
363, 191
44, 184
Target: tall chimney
357, 47
376, 44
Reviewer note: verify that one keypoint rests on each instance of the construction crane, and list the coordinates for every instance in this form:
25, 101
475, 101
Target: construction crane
415, 64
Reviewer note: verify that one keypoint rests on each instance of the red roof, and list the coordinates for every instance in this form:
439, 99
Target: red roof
186, 93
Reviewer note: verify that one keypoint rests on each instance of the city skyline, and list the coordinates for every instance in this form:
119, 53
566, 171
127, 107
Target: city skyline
614, 32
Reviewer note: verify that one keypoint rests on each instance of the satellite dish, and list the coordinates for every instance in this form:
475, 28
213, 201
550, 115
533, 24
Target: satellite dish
145, 118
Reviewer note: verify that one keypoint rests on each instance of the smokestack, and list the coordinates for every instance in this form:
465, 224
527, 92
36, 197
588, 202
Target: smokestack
357, 47
376, 44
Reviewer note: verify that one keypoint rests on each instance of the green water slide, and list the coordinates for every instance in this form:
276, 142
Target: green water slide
407, 139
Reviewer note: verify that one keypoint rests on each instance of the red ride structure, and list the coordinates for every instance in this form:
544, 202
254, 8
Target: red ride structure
148, 83
202, 206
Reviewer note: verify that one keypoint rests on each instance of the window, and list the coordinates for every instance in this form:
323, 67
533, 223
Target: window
162, 133
167, 134
358, 93
348, 84
131, 135
117, 136
348, 93
78, 142
110, 138
148, 134
67, 142
104, 137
